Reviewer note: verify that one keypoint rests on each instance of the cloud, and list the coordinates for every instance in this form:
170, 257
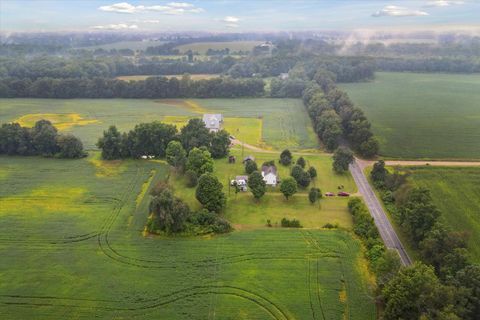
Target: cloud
120, 26
443, 3
232, 25
396, 11
150, 21
230, 19
172, 8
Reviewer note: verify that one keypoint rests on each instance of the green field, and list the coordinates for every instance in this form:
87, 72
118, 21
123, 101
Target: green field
422, 115
202, 47
285, 122
456, 193
72, 247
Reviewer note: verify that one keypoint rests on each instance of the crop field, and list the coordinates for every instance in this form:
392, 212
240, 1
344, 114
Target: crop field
455, 191
284, 122
72, 247
422, 115
202, 47
178, 76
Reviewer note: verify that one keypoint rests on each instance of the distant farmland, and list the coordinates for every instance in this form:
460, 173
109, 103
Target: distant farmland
283, 122
422, 115
202, 47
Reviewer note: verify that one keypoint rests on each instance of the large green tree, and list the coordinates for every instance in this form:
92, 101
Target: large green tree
169, 212
69, 147
286, 157
195, 135
416, 293
176, 155
256, 184
150, 139
288, 187
199, 161
110, 144
44, 136
209, 193
220, 144
341, 159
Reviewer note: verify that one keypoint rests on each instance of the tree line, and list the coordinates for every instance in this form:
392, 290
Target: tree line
334, 116
153, 87
152, 140
446, 284
43, 140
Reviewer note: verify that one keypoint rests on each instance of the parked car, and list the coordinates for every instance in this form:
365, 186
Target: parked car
343, 194
330, 194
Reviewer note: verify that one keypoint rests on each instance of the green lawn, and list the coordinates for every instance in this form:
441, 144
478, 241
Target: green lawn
242, 209
422, 115
456, 193
72, 247
285, 122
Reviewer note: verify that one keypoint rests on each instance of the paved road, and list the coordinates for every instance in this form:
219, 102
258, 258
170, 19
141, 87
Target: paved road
384, 226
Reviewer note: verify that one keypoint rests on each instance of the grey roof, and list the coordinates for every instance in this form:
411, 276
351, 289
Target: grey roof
269, 169
241, 178
212, 121
249, 158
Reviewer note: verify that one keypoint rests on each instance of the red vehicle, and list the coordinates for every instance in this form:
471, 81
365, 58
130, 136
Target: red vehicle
343, 194
330, 194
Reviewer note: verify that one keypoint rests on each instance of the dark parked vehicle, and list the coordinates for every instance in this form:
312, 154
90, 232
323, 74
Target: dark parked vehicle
330, 194
343, 194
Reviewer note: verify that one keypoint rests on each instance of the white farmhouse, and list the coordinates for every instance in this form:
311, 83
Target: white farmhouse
269, 174
213, 122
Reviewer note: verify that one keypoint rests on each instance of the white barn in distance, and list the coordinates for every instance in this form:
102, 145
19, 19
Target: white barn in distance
213, 122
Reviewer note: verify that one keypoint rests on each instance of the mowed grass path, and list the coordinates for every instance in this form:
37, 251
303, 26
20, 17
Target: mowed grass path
71, 246
456, 193
284, 122
422, 115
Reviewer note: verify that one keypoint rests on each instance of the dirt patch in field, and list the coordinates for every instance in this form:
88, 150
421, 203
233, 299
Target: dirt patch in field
107, 168
61, 121
187, 104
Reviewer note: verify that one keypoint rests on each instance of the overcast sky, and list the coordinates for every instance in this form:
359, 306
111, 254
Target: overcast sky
235, 16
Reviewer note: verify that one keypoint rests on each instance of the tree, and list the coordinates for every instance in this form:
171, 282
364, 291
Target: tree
301, 162
369, 148
110, 144
312, 172
170, 213
220, 144
296, 172
69, 147
314, 195
250, 166
288, 187
286, 157
341, 159
150, 139
387, 266
176, 155
419, 214
209, 193
304, 180
416, 293
191, 179
195, 135
199, 161
256, 184
45, 138
379, 174
468, 281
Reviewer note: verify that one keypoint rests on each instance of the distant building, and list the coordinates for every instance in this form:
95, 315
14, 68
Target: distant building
213, 122
283, 76
269, 174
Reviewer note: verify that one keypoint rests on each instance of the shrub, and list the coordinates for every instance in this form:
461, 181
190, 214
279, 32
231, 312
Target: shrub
250, 166
286, 157
294, 223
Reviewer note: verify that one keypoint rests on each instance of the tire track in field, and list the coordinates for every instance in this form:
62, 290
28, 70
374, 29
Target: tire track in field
264, 303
